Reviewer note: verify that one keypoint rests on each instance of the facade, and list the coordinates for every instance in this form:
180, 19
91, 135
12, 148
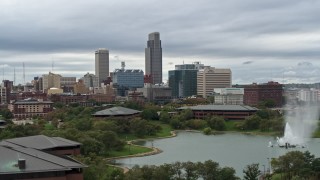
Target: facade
90, 80
194, 65
210, 78
153, 58
80, 88
30, 108
136, 96
3, 95
51, 80
231, 96
183, 80
157, 93
5, 90
131, 78
127, 79
28, 95
255, 93
308, 95
66, 83
68, 99
54, 91
229, 112
102, 64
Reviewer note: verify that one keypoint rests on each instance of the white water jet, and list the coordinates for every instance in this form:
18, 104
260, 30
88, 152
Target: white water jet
289, 137
301, 122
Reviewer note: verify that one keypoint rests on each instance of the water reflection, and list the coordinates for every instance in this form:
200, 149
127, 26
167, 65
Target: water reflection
231, 149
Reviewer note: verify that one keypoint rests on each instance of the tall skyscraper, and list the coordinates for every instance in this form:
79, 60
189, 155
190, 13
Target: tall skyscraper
102, 64
153, 58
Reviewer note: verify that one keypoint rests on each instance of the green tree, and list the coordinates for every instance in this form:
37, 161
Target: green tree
106, 126
196, 124
90, 145
190, 170
164, 117
252, 122
149, 114
110, 140
208, 170
216, 122
185, 114
83, 124
207, 131
251, 172
6, 114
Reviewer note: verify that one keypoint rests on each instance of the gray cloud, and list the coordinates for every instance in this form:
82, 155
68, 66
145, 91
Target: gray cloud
268, 31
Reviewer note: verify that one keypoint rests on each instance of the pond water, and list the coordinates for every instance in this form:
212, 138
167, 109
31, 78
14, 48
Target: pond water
232, 149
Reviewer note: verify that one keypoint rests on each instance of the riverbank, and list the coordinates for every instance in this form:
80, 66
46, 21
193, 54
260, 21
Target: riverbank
153, 151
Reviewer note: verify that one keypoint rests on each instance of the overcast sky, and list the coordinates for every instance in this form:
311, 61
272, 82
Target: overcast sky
259, 40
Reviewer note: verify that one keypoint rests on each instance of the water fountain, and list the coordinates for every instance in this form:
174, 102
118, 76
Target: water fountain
289, 140
301, 123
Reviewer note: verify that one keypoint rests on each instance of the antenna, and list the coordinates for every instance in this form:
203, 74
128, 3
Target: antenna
123, 65
2, 72
24, 73
52, 65
14, 76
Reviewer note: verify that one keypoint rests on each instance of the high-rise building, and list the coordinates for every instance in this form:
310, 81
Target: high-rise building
153, 58
51, 80
210, 78
102, 64
127, 79
67, 83
183, 80
90, 80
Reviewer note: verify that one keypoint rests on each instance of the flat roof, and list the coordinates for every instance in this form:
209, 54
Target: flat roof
213, 107
36, 161
40, 142
116, 111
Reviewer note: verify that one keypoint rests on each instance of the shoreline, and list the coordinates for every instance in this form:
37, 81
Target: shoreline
110, 161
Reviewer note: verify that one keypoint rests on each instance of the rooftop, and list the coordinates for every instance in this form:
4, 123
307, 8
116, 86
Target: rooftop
116, 111
32, 101
213, 107
36, 161
40, 142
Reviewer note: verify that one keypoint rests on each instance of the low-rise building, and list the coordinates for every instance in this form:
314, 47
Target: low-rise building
53, 145
229, 112
231, 96
40, 157
117, 112
29, 108
157, 93
255, 93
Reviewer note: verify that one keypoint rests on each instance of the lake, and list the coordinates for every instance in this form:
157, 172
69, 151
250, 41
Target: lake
231, 149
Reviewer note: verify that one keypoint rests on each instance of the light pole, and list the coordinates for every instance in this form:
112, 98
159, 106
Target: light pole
269, 164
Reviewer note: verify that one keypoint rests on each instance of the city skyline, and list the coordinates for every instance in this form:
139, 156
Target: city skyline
258, 41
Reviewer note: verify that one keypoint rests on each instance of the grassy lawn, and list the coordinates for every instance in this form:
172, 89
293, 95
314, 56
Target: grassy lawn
165, 131
129, 150
231, 125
